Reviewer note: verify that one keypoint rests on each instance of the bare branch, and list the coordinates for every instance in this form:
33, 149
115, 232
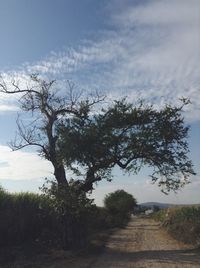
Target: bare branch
42, 100
26, 137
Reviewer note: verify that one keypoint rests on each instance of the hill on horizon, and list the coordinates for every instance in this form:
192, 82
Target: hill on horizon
163, 205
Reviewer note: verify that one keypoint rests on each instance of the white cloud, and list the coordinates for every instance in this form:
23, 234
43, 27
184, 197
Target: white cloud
25, 185
8, 108
154, 12
8, 102
20, 165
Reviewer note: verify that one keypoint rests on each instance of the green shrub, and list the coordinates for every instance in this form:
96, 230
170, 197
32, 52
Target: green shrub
119, 205
72, 211
101, 219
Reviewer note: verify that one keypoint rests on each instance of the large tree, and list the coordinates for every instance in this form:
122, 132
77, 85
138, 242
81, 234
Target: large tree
128, 136
44, 104
70, 134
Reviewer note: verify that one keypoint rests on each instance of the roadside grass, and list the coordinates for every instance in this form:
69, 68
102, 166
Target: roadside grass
23, 217
183, 223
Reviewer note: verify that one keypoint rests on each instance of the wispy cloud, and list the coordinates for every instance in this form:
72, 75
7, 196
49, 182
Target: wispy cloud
150, 51
8, 108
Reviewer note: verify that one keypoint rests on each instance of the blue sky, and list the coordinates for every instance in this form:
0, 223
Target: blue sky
32, 29
139, 49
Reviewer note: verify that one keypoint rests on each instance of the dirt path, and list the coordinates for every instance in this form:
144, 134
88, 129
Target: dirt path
144, 244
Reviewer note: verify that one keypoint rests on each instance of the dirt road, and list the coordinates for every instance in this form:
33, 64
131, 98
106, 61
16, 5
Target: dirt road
144, 244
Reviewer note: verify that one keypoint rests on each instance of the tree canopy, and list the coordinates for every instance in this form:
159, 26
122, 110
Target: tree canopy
120, 202
129, 137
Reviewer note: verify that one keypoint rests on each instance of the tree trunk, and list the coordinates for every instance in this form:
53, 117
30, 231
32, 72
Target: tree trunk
59, 172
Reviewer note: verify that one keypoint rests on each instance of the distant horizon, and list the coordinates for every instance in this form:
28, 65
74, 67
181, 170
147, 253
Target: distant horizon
18, 186
154, 202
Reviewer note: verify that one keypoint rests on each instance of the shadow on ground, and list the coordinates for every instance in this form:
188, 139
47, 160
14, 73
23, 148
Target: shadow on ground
189, 257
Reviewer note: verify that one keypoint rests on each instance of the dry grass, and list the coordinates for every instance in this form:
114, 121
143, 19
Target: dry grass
182, 222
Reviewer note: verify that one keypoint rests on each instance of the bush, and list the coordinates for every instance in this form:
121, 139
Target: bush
100, 220
119, 205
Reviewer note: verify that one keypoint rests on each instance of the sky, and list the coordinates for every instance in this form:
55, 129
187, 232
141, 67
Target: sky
142, 49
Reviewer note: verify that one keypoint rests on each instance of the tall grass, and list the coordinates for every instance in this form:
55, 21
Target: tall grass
182, 222
26, 217
23, 217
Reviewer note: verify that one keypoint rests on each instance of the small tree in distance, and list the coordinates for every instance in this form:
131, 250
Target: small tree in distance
120, 204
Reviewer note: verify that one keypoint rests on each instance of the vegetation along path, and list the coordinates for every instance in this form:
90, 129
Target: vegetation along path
143, 243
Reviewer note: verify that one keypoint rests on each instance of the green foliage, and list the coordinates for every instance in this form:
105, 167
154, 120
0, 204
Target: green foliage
120, 201
73, 212
130, 137
119, 205
101, 219
183, 223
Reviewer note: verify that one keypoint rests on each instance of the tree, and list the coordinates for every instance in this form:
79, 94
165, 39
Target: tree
43, 102
45, 105
70, 134
129, 137
119, 205
120, 202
